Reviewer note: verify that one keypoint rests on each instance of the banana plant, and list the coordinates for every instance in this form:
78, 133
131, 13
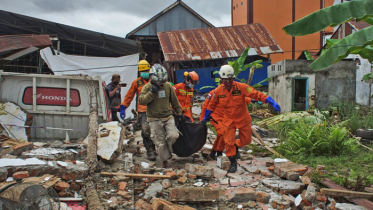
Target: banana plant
238, 66
360, 42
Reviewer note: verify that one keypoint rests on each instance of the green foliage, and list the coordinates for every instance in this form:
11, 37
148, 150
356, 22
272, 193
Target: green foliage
356, 117
367, 77
331, 16
308, 56
320, 139
359, 42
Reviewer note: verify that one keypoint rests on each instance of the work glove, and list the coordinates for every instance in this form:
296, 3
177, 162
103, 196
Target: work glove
122, 111
154, 88
273, 103
207, 116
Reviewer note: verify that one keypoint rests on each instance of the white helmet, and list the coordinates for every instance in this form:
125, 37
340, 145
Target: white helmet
158, 74
226, 71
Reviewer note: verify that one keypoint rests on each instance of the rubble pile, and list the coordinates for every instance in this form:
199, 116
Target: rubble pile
125, 179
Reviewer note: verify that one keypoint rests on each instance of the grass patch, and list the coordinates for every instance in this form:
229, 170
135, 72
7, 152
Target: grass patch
353, 171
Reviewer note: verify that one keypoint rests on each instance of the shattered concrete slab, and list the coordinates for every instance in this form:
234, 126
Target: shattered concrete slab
111, 143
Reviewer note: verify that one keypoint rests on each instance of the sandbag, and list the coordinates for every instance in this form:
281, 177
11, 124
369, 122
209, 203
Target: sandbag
191, 139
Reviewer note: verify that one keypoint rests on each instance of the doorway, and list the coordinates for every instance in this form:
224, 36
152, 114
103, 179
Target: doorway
300, 94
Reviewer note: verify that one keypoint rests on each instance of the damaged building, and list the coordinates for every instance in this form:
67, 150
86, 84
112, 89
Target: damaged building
297, 87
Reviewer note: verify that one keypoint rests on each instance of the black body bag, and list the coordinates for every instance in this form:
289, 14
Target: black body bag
191, 139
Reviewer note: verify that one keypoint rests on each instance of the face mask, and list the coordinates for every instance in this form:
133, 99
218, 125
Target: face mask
228, 84
115, 83
190, 85
145, 75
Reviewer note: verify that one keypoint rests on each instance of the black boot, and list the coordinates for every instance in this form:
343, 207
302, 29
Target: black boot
233, 166
150, 152
219, 154
238, 156
213, 154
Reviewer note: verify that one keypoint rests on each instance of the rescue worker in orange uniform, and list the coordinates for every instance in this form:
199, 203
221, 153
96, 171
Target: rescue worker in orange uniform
231, 96
184, 92
136, 87
217, 117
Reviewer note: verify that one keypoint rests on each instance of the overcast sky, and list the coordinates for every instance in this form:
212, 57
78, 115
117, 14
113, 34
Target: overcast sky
114, 17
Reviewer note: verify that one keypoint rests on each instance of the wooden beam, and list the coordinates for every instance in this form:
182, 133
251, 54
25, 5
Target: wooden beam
368, 189
256, 134
260, 141
352, 194
359, 201
137, 176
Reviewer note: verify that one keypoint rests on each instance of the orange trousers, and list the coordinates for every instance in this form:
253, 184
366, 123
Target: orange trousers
230, 138
219, 141
189, 114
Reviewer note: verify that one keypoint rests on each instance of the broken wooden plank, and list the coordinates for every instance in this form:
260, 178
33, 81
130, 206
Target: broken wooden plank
352, 194
137, 176
359, 201
268, 148
257, 136
368, 189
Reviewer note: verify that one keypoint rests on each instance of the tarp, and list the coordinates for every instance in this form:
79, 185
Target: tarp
125, 66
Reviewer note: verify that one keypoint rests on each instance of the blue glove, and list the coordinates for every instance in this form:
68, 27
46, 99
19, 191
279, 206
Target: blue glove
273, 103
122, 111
207, 116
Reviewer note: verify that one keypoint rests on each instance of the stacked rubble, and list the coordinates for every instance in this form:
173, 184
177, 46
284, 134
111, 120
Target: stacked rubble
125, 179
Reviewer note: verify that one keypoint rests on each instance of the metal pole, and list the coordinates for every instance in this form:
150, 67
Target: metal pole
58, 47
34, 94
68, 96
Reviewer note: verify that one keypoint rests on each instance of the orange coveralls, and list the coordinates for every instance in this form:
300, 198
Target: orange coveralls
185, 96
236, 114
218, 116
136, 87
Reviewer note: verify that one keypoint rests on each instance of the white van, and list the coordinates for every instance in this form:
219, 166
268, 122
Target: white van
44, 97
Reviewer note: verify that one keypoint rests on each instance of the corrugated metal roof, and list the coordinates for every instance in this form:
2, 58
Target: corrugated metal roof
215, 43
180, 20
359, 25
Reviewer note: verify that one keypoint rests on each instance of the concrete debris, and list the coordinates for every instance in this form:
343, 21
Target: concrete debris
153, 190
112, 143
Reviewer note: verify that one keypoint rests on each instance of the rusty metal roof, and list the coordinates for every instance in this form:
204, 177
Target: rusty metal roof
14, 46
215, 43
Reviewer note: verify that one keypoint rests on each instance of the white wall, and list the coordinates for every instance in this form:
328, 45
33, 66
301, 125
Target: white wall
280, 89
362, 88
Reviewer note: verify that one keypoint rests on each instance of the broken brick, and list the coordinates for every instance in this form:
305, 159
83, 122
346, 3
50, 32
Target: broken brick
305, 180
290, 170
182, 180
266, 174
202, 171
293, 176
181, 173
61, 186
171, 173
160, 204
242, 194
192, 176
263, 197
142, 205
271, 168
289, 199
281, 205
122, 186
20, 175
124, 194
17, 150
199, 194
321, 197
